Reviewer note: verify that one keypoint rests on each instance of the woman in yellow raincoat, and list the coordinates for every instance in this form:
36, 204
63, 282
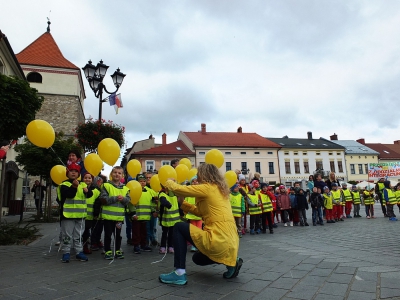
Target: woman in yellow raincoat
218, 242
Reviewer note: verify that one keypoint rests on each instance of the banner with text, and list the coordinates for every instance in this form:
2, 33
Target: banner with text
381, 170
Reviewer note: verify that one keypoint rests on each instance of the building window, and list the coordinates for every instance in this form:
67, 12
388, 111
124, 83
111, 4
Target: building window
366, 168
306, 168
242, 152
297, 167
318, 153
319, 165
244, 167
340, 166
296, 153
228, 166
360, 169
165, 162
256, 152
201, 153
330, 153
271, 167
150, 165
270, 152
34, 77
286, 153
304, 153
332, 165
352, 169
228, 153
287, 167
258, 167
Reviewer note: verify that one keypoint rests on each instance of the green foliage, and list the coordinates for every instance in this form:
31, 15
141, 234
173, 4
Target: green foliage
19, 104
352, 182
90, 134
14, 233
39, 161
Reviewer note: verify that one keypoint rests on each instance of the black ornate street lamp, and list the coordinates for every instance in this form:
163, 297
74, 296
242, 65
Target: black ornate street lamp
95, 76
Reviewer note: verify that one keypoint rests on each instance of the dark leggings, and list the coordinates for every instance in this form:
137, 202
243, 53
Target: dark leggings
267, 216
181, 237
109, 230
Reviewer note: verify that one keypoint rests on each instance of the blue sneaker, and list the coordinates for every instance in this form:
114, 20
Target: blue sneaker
136, 250
252, 231
119, 254
146, 249
173, 278
65, 258
108, 255
81, 256
392, 219
233, 272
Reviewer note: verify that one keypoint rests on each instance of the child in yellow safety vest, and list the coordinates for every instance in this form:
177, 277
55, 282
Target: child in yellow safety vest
337, 203
243, 189
356, 201
193, 219
347, 197
93, 207
73, 209
140, 215
238, 207
369, 203
267, 208
397, 193
328, 205
254, 211
115, 197
390, 198
169, 216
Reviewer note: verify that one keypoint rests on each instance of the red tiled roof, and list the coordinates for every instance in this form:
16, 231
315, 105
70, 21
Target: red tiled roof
168, 149
44, 52
392, 151
229, 139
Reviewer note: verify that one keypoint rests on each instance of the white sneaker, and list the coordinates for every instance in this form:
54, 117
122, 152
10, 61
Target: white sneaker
291, 223
285, 224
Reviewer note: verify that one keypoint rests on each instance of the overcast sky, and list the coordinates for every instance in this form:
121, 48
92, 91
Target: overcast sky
273, 67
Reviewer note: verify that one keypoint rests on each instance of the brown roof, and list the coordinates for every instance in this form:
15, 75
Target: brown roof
44, 52
167, 149
386, 151
229, 139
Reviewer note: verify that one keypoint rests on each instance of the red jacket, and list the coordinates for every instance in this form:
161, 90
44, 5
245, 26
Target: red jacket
2, 153
283, 201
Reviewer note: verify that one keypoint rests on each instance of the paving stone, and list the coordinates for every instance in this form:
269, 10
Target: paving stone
304, 267
284, 283
254, 285
327, 265
389, 293
345, 270
320, 272
356, 295
389, 282
270, 276
364, 286
270, 294
340, 278
295, 273
239, 295
314, 280
334, 289
368, 276
303, 292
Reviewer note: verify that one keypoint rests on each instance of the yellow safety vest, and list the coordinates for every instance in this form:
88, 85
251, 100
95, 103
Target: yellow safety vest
336, 197
328, 203
397, 193
236, 204
347, 195
255, 210
391, 196
115, 211
381, 186
266, 203
74, 207
90, 202
356, 198
368, 200
190, 216
144, 206
170, 216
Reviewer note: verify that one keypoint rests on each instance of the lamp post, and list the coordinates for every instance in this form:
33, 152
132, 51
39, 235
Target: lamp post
95, 76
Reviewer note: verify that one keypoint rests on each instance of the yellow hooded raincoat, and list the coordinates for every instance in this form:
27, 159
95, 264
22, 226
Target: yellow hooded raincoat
219, 239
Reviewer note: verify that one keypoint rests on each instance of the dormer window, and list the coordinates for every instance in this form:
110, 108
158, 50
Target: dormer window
34, 77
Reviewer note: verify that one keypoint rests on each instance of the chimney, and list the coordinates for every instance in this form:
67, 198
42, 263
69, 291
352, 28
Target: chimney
203, 127
396, 142
164, 139
309, 135
334, 137
239, 130
361, 141
150, 136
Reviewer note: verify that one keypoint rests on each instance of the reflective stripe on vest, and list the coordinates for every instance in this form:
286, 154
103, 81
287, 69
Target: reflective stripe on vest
255, 210
190, 216
170, 216
266, 203
143, 207
236, 204
391, 196
356, 198
75, 207
336, 197
115, 211
347, 195
90, 202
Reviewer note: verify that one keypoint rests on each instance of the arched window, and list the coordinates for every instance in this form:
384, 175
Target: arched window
34, 77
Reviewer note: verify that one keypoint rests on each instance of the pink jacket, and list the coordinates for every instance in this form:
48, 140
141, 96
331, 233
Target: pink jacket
283, 201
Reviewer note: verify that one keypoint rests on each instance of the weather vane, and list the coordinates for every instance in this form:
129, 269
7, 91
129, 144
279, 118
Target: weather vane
48, 22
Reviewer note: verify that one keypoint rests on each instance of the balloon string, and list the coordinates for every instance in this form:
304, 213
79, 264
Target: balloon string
57, 156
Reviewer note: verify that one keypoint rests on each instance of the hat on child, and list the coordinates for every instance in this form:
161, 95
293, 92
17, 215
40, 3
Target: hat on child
140, 177
73, 166
326, 188
234, 187
241, 177
193, 178
264, 185
334, 184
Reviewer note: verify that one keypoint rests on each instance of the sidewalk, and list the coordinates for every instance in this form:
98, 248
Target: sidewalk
354, 259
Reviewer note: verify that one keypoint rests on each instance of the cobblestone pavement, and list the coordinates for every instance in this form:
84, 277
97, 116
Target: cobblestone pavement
354, 259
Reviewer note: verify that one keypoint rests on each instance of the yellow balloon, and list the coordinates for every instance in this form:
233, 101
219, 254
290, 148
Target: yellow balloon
155, 183
58, 174
186, 162
93, 164
166, 172
192, 172
133, 167
182, 172
135, 191
109, 151
231, 178
40, 133
215, 157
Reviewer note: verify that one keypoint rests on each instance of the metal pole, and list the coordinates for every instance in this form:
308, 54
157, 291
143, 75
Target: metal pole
100, 102
3, 178
23, 198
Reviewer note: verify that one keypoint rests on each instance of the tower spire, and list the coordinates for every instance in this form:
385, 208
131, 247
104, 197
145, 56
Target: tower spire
48, 25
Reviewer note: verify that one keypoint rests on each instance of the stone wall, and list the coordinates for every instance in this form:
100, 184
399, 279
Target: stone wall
64, 113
